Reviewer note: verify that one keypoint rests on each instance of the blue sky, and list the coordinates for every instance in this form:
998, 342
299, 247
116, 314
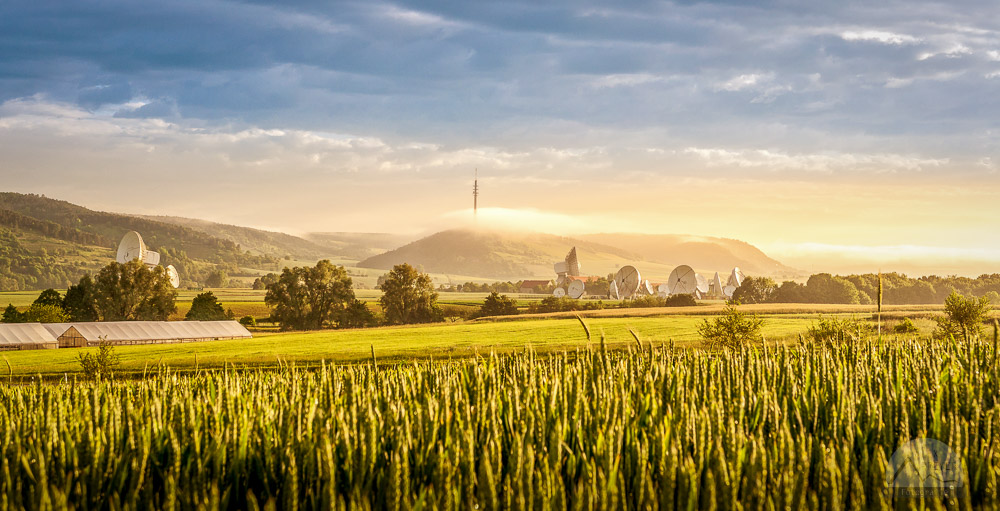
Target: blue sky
807, 128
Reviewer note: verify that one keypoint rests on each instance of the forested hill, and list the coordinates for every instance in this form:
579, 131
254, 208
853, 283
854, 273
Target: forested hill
52, 243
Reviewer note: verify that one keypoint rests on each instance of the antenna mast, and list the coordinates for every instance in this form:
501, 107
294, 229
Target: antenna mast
475, 195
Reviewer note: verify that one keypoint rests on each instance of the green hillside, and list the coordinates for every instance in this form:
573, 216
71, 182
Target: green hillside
51, 243
256, 241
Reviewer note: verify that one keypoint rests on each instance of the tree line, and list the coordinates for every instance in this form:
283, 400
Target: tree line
897, 289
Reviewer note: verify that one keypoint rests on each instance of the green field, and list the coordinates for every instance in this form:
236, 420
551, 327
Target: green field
438, 341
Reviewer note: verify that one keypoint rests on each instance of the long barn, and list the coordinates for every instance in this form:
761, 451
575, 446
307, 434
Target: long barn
26, 336
75, 335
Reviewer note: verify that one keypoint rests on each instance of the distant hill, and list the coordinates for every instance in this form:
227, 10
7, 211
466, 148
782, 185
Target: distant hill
508, 255
52, 243
358, 245
257, 241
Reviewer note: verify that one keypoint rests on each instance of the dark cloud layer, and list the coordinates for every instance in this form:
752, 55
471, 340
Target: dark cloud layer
911, 77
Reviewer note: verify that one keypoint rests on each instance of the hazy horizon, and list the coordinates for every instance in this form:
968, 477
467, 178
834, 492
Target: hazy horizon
833, 137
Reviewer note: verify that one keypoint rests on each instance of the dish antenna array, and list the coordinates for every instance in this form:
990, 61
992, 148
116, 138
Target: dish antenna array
682, 281
132, 247
576, 289
627, 282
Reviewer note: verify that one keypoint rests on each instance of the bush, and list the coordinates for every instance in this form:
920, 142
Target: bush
356, 314
733, 329
102, 364
905, 327
497, 304
205, 307
660, 301
248, 321
963, 317
564, 304
840, 330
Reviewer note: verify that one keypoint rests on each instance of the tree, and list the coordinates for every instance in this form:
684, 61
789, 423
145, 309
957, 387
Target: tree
205, 307
49, 297
80, 302
100, 364
408, 297
497, 304
43, 313
357, 315
963, 316
217, 278
755, 290
825, 288
734, 328
248, 321
261, 283
12, 315
309, 298
131, 291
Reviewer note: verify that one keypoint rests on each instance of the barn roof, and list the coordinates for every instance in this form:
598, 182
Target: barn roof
116, 331
25, 334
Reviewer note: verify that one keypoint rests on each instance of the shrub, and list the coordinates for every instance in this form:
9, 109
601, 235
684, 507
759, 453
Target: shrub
497, 304
840, 330
733, 329
963, 317
563, 304
248, 321
660, 301
905, 327
102, 364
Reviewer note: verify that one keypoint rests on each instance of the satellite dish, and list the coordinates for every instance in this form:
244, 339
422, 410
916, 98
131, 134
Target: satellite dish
663, 290
716, 286
702, 284
647, 288
735, 278
728, 291
576, 289
613, 291
572, 263
627, 281
559, 292
175, 279
682, 281
132, 247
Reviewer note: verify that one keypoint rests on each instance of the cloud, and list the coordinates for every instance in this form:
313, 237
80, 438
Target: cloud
826, 162
878, 36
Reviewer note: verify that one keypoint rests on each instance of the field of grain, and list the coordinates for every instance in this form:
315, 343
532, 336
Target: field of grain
647, 427
397, 344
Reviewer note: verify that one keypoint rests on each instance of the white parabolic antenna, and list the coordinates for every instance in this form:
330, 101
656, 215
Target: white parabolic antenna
576, 289
175, 279
735, 278
716, 288
728, 291
132, 247
663, 290
559, 292
647, 288
613, 291
702, 283
682, 281
627, 281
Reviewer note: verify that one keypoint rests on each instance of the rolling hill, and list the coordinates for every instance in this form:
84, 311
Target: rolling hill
508, 255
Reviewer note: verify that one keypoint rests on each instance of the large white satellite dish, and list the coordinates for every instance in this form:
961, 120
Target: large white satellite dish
728, 291
627, 281
132, 247
613, 291
715, 289
647, 288
663, 290
682, 281
735, 278
702, 283
559, 292
576, 289
175, 279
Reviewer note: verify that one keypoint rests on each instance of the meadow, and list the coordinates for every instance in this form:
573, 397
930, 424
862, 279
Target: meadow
646, 427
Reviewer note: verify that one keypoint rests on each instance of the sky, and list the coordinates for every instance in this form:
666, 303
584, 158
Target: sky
836, 136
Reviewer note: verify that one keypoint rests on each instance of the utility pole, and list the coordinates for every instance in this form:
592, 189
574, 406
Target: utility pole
475, 195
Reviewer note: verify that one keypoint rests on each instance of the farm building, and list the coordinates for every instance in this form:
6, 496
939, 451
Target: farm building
26, 336
74, 335
528, 286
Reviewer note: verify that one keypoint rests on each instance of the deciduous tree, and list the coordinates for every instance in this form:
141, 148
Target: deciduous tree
309, 298
408, 296
131, 291
205, 307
